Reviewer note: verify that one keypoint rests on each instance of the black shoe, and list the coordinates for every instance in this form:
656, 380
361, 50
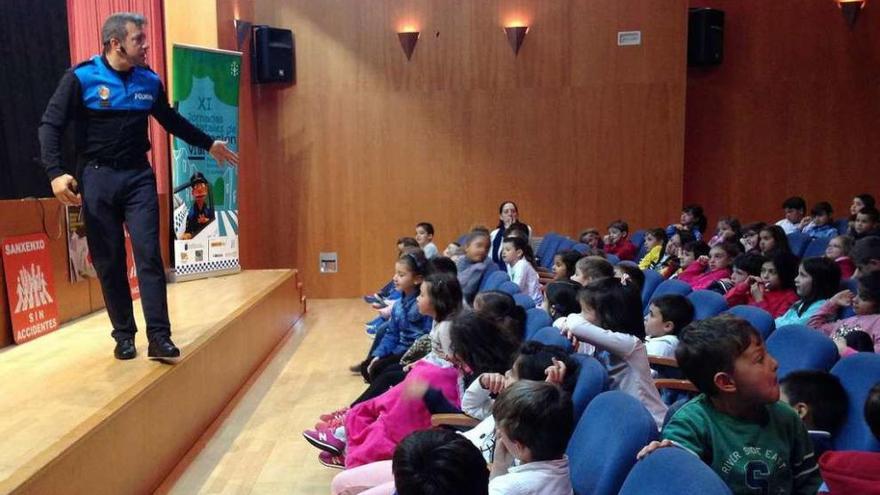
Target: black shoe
163, 350
125, 349
356, 369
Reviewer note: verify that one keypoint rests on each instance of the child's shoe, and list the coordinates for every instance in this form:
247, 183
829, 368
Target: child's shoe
324, 440
331, 461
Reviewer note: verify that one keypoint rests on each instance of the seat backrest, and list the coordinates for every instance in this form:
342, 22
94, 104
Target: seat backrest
799, 347
652, 280
760, 319
565, 244
524, 300
509, 287
638, 238
493, 280
592, 380
612, 258
551, 336
851, 284
842, 225
668, 287
857, 373
603, 447
581, 247
816, 247
536, 319
547, 248
673, 470
798, 241
707, 303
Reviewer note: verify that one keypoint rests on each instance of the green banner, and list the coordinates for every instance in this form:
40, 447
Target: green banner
205, 209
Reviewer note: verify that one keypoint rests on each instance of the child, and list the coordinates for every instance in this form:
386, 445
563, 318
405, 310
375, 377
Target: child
853, 343
502, 310
655, 244
818, 279
728, 231
866, 305
773, 291
707, 269
688, 254
794, 208
591, 238
453, 251
561, 299
866, 255
379, 299
667, 316
771, 240
737, 425
613, 322
564, 264
856, 472
425, 238
751, 238
865, 224
435, 462
534, 421
820, 401
474, 264
744, 266
591, 268
861, 201
670, 263
838, 251
821, 223
692, 220
519, 267
629, 274
617, 242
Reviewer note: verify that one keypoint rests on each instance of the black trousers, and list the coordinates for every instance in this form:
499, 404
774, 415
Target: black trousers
113, 197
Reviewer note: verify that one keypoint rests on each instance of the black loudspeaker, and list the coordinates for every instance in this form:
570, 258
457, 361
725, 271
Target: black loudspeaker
705, 36
273, 55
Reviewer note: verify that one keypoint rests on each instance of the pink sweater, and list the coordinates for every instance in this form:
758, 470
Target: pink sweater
775, 302
696, 276
825, 320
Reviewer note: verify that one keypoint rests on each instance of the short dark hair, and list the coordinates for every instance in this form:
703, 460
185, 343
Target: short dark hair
427, 226
699, 248
619, 225
867, 199
865, 250
675, 308
731, 248
859, 341
696, 211
537, 414
437, 462
618, 307
595, 267
822, 208
569, 258
869, 286
517, 227
635, 274
562, 298
116, 26
750, 263
502, 309
408, 242
711, 346
657, 234
872, 410
481, 344
445, 292
441, 264
535, 357
821, 392
795, 202
871, 213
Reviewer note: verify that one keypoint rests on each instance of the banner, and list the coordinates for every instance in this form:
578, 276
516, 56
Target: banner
79, 259
205, 194
30, 286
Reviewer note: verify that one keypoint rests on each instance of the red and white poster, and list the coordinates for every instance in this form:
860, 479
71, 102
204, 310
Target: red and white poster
30, 287
80, 260
131, 268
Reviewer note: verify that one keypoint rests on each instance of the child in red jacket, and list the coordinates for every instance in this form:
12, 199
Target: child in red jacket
617, 241
854, 471
773, 291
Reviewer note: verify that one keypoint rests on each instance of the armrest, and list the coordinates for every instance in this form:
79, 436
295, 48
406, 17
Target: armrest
673, 384
452, 419
663, 361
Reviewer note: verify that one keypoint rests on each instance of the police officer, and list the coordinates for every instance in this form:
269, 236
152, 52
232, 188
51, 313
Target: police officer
109, 99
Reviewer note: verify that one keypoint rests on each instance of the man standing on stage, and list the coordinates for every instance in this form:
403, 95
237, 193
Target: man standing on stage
109, 99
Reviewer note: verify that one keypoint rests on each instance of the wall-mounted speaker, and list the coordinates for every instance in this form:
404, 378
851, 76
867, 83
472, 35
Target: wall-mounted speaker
273, 55
705, 36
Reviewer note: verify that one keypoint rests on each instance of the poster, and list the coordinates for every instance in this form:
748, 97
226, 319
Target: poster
205, 193
79, 259
30, 287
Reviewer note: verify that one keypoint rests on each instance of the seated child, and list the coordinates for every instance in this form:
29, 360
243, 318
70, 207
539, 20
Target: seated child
751, 238
744, 266
820, 401
866, 224
502, 310
561, 299
728, 231
630, 274
425, 238
866, 305
687, 255
655, 244
707, 269
438, 462
821, 223
617, 241
670, 262
853, 343
667, 316
794, 208
378, 300
772, 239
474, 264
866, 255
453, 251
517, 255
838, 251
692, 220
848, 472
534, 421
590, 268
817, 281
737, 425
773, 291
564, 264
591, 238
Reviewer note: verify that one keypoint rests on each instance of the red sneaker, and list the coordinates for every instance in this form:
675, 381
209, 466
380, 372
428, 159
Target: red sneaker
330, 425
331, 461
324, 440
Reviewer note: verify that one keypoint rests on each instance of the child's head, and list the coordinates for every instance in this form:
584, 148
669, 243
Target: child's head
613, 306
564, 263
693, 217
478, 345
691, 251
440, 296
872, 410
591, 268
441, 264
678, 239
501, 308
724, 356
729, 229
866, 254
867, 301
534, 358
779, 271
406, 242
750, 235
452, 250
513, 249
617, 230
817, 278
866, 220
861, 201
476, 247
630, 272
654, 237
721, 256
424, 233
746, 265
817, 396
534, 420
794, 208
772, 239
822, 213
562, 299
507, 213
856, 340
591, 238
517, 229
668, 315
437, 462
839, 247
409, 271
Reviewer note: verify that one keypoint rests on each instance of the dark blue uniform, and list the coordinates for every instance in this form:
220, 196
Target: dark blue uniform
109, 111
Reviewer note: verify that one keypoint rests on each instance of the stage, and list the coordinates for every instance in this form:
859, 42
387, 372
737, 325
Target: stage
76, 420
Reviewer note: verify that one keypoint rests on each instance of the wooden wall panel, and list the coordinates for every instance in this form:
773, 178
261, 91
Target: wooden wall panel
576, 129
792, 110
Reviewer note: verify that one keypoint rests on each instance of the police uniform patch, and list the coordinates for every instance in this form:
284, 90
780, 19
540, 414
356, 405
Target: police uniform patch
104, 95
